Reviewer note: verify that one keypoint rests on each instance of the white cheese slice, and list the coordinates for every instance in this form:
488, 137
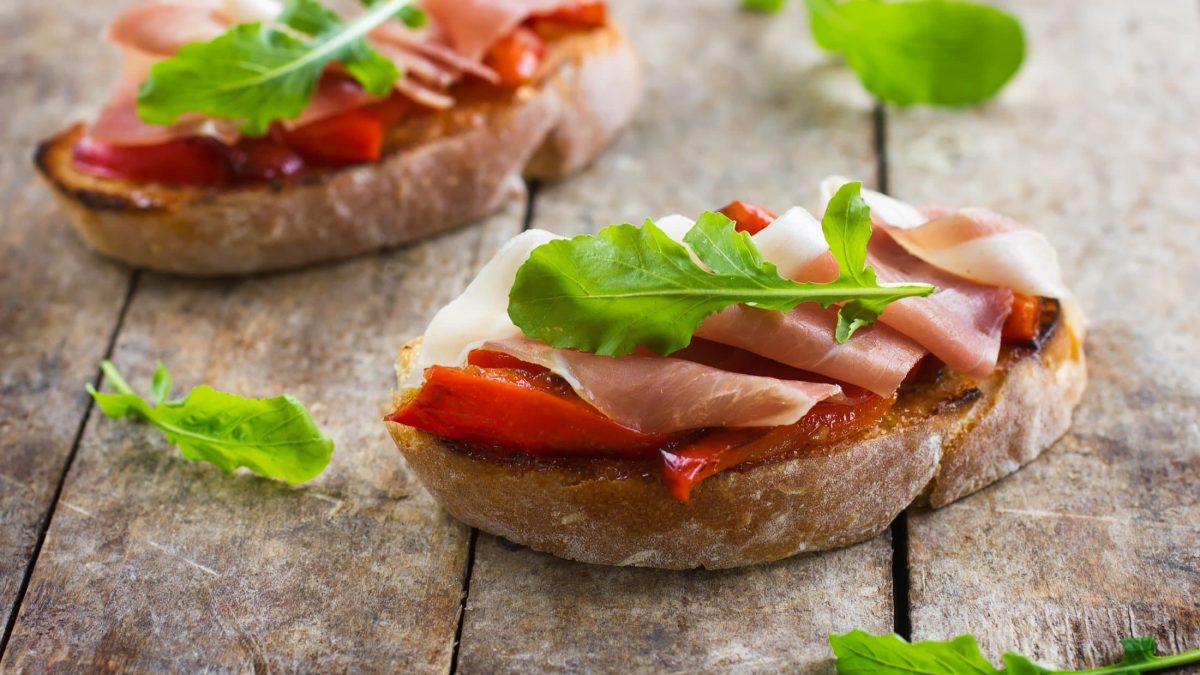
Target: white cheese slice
481, 312
891, 211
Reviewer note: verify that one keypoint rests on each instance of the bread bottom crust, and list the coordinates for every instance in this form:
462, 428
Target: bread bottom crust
620, 513
546, 130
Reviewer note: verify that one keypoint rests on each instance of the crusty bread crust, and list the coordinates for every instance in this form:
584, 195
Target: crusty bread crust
940, 442
467, 164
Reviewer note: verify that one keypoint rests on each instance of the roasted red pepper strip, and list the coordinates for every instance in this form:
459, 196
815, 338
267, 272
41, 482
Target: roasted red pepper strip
748, 217
517, 57
687, 466
190, 161
520, 412
346, 138
1022, 323
580, 14
486, 358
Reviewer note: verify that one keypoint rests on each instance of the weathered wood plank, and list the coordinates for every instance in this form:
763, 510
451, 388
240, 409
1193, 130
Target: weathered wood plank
739, 111
1097, 144
531, 612
158, 564
58, 303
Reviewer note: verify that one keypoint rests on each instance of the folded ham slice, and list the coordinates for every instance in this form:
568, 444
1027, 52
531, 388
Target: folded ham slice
433, 58
654, 394
161, 28
972, 243
960, 322
472, 26
877, 359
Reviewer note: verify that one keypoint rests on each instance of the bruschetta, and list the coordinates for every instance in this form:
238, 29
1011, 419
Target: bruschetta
601, 419
486, 93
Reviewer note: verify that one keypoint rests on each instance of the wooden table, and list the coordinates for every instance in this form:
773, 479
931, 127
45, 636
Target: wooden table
116, 554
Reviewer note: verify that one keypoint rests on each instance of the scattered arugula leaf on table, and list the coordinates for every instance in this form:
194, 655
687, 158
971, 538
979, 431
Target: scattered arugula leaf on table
942, 52
257, 73
630, 287
861, 653
273, 437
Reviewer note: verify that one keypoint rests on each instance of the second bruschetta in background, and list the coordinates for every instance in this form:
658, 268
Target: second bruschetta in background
484, 93
740, 388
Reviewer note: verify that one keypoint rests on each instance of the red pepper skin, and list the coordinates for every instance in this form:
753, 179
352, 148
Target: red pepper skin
1023, 322
687, 466
519, 412
748, 217
579, 14
263, 159
486, 358
190, 161
517, 57
351, 137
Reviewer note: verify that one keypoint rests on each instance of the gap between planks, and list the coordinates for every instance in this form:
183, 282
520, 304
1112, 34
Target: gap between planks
44, 526
532, 189
901, 609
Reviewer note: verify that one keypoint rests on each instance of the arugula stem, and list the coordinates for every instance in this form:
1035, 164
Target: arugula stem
352, 31
114, 378
809, 291
1159, 663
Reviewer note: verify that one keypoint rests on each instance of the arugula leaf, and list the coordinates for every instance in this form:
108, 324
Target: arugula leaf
160, 386
256, 74
944, 52
630, 287
765, 6
274, 437
861, 653
847, 227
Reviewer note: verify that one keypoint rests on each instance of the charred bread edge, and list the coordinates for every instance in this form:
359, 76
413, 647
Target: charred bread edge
839, 496
553, 128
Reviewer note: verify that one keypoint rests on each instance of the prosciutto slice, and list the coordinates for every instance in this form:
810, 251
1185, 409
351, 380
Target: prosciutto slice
472, 26
973, 243
654, 394
877, 359
433, 58
161, 28
960, 323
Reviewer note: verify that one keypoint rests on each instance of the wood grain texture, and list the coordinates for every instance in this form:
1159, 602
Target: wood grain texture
157, 564
531, 612
749, 112
1096, 143
58, 303
737, 106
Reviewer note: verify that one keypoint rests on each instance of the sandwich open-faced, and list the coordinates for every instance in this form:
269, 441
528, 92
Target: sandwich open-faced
252, 135
743, 387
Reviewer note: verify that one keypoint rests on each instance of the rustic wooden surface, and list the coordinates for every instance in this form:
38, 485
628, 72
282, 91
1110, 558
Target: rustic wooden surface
58, 304
151, 563
772, 152
1096, 143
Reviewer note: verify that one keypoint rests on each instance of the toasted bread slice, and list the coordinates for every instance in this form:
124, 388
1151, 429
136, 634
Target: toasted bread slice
438, 172
943, 439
